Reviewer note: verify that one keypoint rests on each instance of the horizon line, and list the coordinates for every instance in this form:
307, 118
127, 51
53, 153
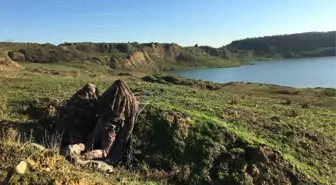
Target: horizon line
104, 42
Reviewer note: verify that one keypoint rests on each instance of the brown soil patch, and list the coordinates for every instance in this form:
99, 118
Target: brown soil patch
8, 65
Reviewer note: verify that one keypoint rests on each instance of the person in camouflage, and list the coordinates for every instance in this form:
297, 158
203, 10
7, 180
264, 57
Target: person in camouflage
117, 110
78, 118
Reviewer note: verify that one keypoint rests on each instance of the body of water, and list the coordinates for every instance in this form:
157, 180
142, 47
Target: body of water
304, 72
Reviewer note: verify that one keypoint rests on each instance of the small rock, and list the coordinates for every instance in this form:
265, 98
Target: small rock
21, 167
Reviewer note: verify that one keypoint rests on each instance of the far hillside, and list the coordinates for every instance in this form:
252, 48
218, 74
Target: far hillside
310, 44
157, 57
145, 57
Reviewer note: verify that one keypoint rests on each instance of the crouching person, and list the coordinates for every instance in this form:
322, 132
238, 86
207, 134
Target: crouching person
77, 120
117, 109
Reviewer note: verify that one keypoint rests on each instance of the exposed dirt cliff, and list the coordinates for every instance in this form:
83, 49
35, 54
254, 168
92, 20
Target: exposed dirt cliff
8, 65
129, 56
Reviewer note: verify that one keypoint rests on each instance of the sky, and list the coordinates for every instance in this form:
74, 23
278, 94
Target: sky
185, 22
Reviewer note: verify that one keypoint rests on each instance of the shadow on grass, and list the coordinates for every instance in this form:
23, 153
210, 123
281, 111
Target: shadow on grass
32, 131
42, 115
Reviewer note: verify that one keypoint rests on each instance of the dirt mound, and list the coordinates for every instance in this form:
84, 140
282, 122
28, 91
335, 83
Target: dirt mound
203, 152
258, 164
8, 65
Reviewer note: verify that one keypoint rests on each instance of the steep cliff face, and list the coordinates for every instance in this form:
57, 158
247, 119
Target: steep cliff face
128, 56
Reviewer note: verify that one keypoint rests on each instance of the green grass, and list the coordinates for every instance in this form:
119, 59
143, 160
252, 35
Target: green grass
223, 118
307, 154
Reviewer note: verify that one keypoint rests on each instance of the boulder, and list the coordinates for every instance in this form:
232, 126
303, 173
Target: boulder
17, 56
21, 168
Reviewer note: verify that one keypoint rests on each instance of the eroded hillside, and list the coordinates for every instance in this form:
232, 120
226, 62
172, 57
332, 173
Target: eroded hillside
155, 57
150, 57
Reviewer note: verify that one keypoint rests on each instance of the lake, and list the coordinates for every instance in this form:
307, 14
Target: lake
304, 72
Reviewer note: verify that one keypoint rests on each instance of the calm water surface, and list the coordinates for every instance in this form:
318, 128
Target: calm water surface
306, 72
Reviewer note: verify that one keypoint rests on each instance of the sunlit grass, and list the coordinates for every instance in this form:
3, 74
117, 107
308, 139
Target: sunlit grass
252, 112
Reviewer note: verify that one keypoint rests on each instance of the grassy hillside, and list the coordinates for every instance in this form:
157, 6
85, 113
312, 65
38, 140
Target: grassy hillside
193, 132
310, 44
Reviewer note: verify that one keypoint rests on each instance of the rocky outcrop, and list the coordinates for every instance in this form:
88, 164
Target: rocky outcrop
17, 56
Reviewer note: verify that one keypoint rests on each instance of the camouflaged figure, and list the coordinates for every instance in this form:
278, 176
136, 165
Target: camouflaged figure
117, 110
78, 118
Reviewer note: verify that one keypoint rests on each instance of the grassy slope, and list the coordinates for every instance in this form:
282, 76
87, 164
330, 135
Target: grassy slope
39, 84
257, 112
254, 114
309, 44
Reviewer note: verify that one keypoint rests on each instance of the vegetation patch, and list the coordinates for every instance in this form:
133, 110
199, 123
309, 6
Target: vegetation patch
181, 81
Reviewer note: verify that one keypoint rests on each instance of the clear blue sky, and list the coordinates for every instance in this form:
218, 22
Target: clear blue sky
186, 22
